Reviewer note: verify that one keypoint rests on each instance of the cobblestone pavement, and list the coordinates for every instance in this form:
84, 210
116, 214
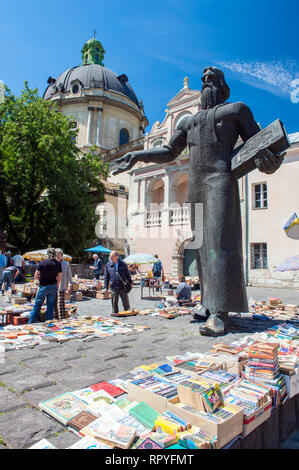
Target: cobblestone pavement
32, 375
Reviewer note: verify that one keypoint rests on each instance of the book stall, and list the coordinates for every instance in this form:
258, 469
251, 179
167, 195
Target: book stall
194, 401
73, 328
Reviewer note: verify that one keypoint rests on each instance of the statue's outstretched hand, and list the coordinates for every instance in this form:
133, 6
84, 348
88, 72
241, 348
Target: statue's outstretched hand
267, 162
125, 163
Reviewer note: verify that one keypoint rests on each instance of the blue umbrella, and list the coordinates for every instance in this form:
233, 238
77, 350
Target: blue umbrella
99, 249
290, 264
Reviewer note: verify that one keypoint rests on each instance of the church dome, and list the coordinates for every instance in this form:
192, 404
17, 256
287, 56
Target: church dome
92, 74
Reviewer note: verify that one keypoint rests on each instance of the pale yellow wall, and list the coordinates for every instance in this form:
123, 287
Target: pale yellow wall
266, 225
114, 119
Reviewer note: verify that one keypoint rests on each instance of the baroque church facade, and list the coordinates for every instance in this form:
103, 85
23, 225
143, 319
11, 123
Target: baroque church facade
104, 108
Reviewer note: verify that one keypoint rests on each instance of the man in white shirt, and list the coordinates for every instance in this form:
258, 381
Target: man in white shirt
18, 261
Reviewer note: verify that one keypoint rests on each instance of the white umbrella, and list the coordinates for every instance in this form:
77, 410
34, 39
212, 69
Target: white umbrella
39, 255
140, 258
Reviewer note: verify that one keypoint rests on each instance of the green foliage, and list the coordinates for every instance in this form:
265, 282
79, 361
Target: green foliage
44, 182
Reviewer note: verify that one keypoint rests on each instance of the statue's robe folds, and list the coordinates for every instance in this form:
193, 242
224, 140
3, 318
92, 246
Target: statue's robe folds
212, 184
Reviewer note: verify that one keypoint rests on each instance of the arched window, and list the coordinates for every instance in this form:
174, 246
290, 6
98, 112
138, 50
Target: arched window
157, 143
123, 136
97, 59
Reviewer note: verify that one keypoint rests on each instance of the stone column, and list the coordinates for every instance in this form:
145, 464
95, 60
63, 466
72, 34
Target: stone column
99, 121
165, 210
89, 126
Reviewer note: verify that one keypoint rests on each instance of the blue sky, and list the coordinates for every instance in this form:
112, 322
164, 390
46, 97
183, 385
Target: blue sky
156, 43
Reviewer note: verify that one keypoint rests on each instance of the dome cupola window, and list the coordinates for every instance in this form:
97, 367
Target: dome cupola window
123, 136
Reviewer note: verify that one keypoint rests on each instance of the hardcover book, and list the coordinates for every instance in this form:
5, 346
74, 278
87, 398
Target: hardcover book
81, 420
89, 443
64, 407
111, 432
145, 414
113, 390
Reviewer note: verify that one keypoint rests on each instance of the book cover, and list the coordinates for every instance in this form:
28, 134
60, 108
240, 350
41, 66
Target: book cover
64, 407
89, 443
148, 444
43, 444
145, 414
81, 420
113, 390
111, 431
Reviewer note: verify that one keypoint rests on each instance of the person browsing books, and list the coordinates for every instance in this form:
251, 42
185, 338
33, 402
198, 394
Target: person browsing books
118, 277
9, 275
49, 275
182, 293
97, 266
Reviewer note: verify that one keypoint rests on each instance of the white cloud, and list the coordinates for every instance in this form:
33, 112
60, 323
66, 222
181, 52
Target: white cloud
275, 77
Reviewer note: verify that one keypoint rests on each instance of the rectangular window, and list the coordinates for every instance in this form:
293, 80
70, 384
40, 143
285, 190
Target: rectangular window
260, 196
259, 256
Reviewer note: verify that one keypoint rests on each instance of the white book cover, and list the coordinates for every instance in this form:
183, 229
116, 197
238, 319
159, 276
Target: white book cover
89, 443
43, 444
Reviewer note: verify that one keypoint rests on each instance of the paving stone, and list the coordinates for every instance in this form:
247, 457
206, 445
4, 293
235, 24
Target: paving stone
47, 365
23, 428
42, 394
25, 354
73, 378
10, 401
91, 366
25, 381
66, 355
8, 366
64, 440
49, 346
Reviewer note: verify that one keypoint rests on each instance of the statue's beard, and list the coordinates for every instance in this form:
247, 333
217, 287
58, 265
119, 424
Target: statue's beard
210, 96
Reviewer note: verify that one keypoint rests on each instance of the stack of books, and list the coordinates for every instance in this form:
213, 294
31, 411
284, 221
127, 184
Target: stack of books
263, 360
263, 368
248, 395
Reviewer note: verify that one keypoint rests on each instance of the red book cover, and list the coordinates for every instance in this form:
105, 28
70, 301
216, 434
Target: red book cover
113, 390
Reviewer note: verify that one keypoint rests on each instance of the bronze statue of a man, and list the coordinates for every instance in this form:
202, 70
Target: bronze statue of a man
211, 135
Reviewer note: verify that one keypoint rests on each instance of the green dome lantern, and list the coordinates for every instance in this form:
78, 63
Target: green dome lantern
93, 52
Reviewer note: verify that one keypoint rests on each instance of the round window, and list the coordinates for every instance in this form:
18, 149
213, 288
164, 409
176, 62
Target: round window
75, 89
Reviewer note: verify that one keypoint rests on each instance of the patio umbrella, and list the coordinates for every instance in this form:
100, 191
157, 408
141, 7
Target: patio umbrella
290, 264
99, 249
140, 258
39, 255
291, 228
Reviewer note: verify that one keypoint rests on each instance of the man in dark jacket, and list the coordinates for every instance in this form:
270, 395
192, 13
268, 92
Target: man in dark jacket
118, 277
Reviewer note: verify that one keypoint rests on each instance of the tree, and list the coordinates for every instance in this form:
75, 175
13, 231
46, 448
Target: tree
45, 183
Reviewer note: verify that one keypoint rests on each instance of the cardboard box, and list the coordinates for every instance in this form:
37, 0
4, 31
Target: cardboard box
225, 431
19, 300
252, 421
103, 295
75, 286
136, 393
67, 296
78, 296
